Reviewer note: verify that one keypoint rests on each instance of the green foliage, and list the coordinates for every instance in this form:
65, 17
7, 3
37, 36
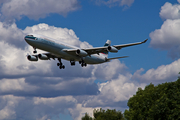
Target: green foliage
86, 117
160, 102
100, 114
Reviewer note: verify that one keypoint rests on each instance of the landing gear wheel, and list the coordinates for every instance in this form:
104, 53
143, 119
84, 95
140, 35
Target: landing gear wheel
72, 63
59, 64
63, 67
83, 64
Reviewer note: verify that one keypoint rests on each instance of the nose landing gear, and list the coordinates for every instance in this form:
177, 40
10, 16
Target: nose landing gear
34, 50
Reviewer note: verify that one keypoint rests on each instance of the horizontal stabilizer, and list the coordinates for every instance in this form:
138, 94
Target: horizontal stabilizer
109, 59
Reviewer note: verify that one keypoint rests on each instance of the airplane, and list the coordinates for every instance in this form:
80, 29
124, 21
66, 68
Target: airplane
59, 50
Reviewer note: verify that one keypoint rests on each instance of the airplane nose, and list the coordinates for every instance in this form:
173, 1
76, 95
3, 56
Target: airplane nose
26, 39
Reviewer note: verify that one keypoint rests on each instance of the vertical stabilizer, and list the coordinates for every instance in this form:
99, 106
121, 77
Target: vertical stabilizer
108, 43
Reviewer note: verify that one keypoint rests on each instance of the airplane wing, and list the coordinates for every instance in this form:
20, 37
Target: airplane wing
98, 50
127, 45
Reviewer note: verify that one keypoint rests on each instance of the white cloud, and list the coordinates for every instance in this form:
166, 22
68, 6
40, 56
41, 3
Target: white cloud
167, 37
109, 70
112, 3
169, 11
14, 62
8, 104
79, 111
12, 107
35, 9
12, 35
116, 91
163, 73
7, 85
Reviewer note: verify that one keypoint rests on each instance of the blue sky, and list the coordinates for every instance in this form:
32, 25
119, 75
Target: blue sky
50, 93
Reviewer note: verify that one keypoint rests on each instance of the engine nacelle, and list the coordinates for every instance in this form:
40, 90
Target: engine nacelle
43, 57
32, 58
81, 53
112, 49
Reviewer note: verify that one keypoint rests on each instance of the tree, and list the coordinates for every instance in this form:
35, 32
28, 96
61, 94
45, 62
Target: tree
86, 117
160, 102
100, 114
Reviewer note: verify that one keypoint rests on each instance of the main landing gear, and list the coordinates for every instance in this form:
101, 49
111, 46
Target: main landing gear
83, 64
61, 66
72, 63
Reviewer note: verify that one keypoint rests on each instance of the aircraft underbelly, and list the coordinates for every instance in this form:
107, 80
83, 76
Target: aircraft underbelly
93, 60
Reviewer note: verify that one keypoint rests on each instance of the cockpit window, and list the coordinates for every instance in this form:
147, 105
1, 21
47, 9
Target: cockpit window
30, 37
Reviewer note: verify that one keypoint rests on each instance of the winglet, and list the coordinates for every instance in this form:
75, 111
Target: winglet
144, 41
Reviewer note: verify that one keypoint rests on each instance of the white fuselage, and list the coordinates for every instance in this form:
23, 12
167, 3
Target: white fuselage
56, 48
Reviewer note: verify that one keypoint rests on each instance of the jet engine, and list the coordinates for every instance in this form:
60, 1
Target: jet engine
43, 57
81, 53
112, 49
32, 58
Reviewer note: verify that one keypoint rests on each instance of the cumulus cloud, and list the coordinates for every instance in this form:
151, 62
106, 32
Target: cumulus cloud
168, 37
7, 85
116, 91
169, 11
112, 3
109, 70
35, 9
14, 63
13, 107
12, 35
79, 111
161, 74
